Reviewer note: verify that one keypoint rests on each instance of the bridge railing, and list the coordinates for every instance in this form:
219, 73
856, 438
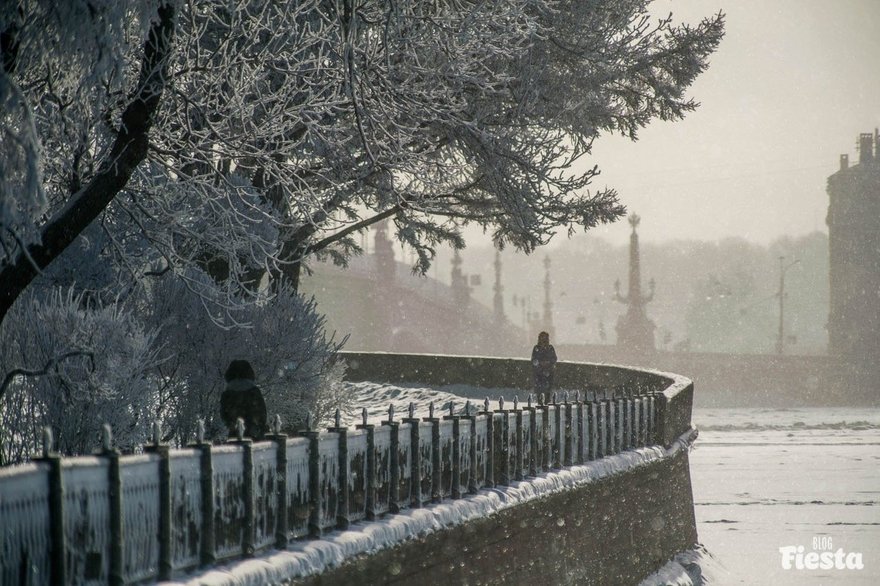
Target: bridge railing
125, 519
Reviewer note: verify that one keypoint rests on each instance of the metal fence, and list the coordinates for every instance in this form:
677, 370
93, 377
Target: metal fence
128, 519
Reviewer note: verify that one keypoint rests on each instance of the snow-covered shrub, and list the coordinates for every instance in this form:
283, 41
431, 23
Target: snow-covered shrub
74, 364
282, 337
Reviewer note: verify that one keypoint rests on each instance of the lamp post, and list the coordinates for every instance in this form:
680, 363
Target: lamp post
780, 339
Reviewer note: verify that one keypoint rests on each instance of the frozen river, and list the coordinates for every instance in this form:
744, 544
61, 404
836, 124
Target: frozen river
765, 479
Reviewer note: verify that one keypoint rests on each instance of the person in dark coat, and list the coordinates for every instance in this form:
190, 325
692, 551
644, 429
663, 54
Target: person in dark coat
243, 398
543, 363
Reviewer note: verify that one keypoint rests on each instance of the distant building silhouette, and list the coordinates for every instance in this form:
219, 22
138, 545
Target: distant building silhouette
498, 290
461, 291
383, 251
635, 332
384, 307
854, 247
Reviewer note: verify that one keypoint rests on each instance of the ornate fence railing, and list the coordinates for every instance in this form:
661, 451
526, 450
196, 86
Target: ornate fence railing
126, 519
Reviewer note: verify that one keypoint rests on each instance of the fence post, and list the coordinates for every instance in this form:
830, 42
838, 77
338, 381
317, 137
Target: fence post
472, 448
566, 430
546, 448
455, 489
633, 421
370, 497
247, 454
314, 478
620, 407
638, 422
612, 426
533, 437
602, 422
490, 444
114, 494
415, 459
559, 423
162, 451
393, 462
593, 428
581, 431
502, 451
435, 454
643, 420
206, 477
608, 414
519, 460
281, 523
655, 407
342, 519
57, 559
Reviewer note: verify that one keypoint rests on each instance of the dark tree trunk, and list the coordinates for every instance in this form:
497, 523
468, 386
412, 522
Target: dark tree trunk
127, 152
293, 253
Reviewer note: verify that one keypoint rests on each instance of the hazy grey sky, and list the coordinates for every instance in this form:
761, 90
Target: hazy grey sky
790, 88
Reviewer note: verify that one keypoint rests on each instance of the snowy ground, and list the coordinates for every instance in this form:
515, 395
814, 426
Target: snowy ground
770, 478
376, 398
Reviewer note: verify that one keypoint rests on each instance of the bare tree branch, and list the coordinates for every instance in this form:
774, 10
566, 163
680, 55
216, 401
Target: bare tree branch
50, 365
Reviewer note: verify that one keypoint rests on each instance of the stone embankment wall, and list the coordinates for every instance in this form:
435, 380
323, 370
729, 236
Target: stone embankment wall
617, 530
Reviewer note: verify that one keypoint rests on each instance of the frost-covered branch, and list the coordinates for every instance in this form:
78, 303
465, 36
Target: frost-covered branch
50, 365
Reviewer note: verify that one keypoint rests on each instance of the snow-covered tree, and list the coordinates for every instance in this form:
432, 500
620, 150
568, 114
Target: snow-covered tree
158, 355
212, 146
315, 119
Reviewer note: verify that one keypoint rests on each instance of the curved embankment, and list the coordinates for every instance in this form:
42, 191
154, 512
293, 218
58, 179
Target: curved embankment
614, 520
591, 488
674, 392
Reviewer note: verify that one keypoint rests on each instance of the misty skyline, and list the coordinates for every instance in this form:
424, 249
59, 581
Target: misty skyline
792, 85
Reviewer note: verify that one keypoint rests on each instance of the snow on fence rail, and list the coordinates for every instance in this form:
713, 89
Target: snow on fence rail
123, 519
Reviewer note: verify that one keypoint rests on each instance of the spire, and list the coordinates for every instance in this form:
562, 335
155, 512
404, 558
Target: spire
634, 330
498, 299
460, 290
383, 250
635, 270
548, 304
634, 297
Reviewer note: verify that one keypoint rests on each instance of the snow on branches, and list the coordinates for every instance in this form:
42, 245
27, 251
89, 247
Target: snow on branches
322, 117
221, 144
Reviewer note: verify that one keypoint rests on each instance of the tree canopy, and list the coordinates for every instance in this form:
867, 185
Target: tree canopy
162, 161
242, 138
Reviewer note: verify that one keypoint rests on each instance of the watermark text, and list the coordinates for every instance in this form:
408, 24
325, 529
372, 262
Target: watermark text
822, 557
